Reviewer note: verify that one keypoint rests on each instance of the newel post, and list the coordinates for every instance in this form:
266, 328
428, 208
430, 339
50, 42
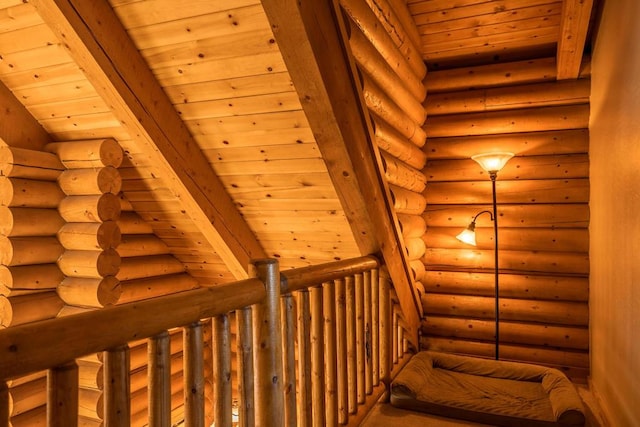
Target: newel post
267, 346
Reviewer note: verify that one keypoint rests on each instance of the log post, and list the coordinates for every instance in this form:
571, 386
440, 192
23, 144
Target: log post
289, 360
330, 353
267, 345
305, 379
244, 352
159, 379
62, 396
193, 369
222, 371
117, 388
317, 358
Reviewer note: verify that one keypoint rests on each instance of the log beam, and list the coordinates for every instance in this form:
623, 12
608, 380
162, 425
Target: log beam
573, 34
100, 45
312, 41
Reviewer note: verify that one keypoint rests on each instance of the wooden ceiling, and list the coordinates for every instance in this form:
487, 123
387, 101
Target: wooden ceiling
222, 160
458, 33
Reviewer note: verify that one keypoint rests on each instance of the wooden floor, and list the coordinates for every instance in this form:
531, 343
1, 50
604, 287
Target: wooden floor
385, 415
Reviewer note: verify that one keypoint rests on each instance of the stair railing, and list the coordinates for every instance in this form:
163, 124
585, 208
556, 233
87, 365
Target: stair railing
315, 346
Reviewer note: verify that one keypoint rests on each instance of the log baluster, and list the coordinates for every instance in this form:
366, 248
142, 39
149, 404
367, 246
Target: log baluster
394, 335
341, 350
62, 396
317, 358
244, 351
267, 346
385, 327
330, 353
193, 355
289, 368
222, 371
117, 387
350, 296
159, 380
360, 339
375, 327
368, 338
305, 407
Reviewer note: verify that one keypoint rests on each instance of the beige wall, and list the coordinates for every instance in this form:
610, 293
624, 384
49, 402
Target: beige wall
615, 213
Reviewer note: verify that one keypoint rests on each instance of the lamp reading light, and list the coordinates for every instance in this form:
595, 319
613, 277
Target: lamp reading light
493, 162
468, 235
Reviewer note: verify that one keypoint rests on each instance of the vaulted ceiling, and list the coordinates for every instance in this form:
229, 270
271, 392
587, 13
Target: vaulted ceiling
240, 142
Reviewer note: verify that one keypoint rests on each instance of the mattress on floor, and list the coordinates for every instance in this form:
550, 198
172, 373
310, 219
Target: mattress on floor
487, 391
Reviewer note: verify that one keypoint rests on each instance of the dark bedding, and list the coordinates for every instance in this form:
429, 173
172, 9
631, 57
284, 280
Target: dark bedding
487, 391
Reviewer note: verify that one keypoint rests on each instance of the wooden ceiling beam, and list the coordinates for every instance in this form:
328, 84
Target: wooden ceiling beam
100, 45
311, 39
573, 34
18, 128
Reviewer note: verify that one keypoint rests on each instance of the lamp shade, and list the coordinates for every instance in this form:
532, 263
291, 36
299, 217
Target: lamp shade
493, 162
468, 235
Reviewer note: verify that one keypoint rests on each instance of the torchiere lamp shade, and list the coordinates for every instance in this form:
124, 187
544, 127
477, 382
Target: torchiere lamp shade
493, 162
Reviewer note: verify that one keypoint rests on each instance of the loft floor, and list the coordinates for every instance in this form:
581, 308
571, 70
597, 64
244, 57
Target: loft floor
384, 415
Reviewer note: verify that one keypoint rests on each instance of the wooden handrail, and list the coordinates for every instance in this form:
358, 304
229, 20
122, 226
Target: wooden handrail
306, 277
37, 346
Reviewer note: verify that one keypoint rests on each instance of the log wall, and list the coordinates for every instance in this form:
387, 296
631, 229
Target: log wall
543, 196
392, 72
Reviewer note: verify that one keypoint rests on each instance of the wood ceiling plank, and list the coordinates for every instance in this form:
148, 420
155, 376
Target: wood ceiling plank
573, 34
208, 25
269, 62
255, 138
26, 38
483, 20
259, 104
262, 84
101, 46
143, 13
272, 166
510, 40
212, 49
17, 17
488, 9
480, 31
312, 44
44, 76
34, 96
302, 150
262, 121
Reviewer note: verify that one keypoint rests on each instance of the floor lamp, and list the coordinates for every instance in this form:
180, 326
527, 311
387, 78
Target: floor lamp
492, 163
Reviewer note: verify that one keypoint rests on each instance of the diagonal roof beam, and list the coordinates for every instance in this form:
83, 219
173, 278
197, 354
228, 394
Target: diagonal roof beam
573, 34
99, 44
311, 41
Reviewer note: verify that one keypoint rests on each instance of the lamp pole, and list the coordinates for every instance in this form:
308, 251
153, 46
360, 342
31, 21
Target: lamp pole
493, 175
